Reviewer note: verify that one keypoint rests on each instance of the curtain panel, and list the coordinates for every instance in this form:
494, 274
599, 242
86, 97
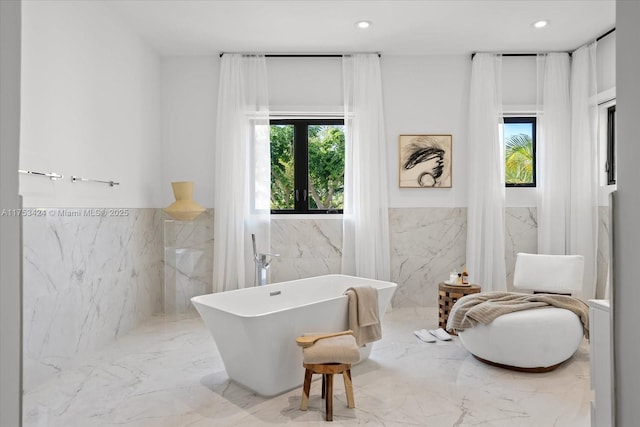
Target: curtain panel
486, 199
365, 249
583, 231
242, 170
554, 155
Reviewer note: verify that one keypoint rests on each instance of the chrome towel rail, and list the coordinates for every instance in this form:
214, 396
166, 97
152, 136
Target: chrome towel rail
80, 179
51, 175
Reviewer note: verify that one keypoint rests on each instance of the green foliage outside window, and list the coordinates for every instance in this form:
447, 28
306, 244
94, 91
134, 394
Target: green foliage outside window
325, 147
519, 159
282, 172
326, 167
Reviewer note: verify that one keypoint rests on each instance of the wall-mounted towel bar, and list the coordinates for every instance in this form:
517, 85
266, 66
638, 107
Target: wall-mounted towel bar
51, 175
80, 179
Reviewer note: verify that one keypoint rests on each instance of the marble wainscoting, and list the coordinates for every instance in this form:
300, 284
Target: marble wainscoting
307, 247
426, 245
521, 235
88, 278
188, 262
604, 252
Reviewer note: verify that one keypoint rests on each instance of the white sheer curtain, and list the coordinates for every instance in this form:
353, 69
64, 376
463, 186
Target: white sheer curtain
242, 170
583, 233
553, 152
485, 213
365, 249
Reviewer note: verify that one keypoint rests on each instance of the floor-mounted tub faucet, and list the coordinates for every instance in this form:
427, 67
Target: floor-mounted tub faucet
262, 264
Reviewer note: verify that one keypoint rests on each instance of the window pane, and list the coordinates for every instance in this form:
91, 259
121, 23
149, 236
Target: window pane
611, 145
282, 172
326, 166
519, 152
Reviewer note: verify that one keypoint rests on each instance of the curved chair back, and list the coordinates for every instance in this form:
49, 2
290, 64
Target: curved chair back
549, 273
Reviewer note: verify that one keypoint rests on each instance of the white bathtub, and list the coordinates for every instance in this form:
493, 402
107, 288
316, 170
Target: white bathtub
255, 328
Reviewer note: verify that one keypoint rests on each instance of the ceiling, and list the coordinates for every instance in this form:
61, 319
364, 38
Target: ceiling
400, 27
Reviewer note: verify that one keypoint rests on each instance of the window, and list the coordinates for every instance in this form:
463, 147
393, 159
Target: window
519, 135
610, 166
307, 165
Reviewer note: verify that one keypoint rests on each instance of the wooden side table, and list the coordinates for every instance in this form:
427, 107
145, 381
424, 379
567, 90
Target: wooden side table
447, 296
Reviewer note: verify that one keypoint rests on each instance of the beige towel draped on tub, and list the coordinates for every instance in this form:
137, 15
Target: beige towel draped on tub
364, 318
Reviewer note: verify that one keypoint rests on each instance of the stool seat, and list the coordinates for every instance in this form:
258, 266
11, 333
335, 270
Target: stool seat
329, 356
340, 349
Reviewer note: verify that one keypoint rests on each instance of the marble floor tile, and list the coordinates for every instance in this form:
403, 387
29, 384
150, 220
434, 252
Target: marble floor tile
168, 372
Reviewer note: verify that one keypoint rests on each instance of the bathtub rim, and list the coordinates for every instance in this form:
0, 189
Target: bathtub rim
197, 299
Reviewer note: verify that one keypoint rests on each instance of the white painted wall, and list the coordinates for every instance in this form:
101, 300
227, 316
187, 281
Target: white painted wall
422, 94
626, 292
10, 244
427, 95
90, 108
189, 106
606, 63
309, 84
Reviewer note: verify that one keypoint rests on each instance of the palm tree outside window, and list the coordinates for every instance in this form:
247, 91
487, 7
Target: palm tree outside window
519, 135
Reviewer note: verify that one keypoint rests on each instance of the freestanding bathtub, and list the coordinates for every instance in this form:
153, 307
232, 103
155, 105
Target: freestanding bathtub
255, 328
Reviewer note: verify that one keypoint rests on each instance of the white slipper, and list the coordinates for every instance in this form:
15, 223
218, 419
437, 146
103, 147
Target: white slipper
424, 335
441, 334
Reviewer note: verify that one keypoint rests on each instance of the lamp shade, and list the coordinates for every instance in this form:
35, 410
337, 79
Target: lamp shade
184, 208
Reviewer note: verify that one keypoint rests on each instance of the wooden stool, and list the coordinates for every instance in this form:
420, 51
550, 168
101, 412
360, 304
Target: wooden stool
327, 370
328, 354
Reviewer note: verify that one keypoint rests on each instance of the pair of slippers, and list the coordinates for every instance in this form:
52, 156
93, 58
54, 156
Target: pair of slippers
432, 334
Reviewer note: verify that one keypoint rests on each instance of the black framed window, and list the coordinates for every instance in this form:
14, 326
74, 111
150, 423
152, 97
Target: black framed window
307, 165
610, 166
519, 135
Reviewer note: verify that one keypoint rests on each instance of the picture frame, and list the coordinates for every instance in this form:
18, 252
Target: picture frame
425, 161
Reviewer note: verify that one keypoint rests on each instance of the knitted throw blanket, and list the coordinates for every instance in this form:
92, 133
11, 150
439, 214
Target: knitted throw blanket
473, 309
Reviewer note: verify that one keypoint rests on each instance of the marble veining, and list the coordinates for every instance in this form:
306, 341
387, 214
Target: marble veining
604, 251
188, 261
87, 279
307, 248
426, 245
521, 235
168, 372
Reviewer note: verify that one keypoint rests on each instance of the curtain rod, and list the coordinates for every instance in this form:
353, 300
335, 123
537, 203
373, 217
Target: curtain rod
517, 54
303, 55
606, 34
569, 52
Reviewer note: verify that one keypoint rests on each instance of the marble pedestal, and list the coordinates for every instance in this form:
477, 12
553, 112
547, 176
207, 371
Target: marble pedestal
188, 262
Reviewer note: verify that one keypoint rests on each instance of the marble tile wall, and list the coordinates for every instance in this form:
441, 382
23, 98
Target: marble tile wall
426, 244
604, 251
307, 248
188, 262
521, 235
86, 280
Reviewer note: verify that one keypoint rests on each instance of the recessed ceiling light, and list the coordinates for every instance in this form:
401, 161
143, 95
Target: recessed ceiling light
363, 24
540, 24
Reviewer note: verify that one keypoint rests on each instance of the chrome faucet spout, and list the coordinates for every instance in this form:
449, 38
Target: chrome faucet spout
261, 264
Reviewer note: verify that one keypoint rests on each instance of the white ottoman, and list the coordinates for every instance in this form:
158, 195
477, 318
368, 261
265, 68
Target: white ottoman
535, 340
